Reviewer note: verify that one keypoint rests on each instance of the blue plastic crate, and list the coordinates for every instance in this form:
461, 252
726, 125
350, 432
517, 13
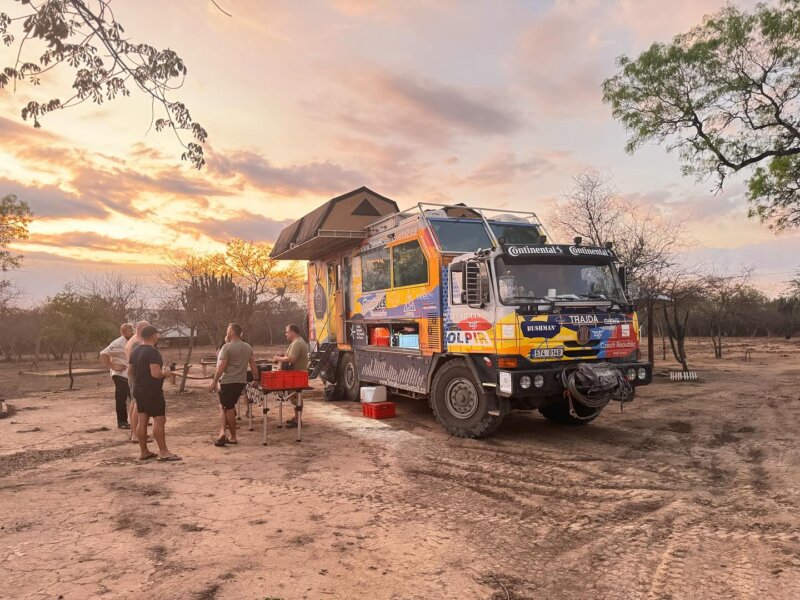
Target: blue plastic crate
408, 340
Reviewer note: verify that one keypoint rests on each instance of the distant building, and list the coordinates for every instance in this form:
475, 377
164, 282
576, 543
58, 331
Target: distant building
175, 336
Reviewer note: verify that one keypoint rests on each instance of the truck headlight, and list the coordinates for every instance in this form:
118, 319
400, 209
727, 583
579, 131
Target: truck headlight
538, 381
642, 373
506, 385
631, 374
525, 382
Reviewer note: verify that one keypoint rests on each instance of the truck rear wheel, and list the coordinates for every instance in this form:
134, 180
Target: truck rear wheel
347, 378
459, 402
559, 413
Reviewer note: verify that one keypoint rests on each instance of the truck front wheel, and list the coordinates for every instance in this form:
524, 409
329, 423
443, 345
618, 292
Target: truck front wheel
459, 402
347, 378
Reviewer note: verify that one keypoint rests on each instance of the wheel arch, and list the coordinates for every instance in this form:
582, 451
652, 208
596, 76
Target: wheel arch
482, 374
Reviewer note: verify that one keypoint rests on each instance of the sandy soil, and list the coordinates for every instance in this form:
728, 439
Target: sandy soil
692, 492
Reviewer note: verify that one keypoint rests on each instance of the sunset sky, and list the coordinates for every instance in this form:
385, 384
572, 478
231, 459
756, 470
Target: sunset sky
489, 103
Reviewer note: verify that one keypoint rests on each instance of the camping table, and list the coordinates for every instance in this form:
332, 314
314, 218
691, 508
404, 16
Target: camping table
254, 394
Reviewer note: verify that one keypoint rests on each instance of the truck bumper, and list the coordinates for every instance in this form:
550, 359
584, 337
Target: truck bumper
551, 379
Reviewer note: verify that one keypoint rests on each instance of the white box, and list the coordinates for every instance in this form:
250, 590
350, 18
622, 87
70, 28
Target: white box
373, 394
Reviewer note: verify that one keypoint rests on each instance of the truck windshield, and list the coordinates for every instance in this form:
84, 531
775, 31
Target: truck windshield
460, 235
516, 234
469, 235
518, 283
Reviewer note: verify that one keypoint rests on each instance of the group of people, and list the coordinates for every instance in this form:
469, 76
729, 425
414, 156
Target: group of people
137, 370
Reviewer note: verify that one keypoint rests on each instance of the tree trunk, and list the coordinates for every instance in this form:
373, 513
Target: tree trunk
682, 340
71, 378
186, 362
269, 330
651, 355
677, 334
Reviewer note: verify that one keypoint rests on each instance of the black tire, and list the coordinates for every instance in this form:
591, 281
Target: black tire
459, 402
558, 412
347, 382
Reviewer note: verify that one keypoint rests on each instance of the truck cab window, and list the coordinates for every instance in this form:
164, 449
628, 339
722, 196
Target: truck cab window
375, 270
409, 265
460, 235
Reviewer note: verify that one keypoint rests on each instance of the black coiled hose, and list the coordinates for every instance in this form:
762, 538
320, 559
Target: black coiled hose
594, 385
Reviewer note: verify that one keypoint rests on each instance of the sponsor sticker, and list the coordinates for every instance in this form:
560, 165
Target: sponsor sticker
558, 250
618, 345
523, 250
625, 329
507, 331
547, 353
468, 338
581, 319
589, 251
474, 324
597, 333
541, 329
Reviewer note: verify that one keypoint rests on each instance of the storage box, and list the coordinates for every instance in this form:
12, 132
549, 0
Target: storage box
408, 340
379, 336
378, 410
284, 380
373, 394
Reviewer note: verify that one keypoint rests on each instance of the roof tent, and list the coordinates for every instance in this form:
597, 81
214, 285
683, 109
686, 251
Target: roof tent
336, 225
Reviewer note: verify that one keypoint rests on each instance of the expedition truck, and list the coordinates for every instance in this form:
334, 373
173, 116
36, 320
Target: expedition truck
470, 308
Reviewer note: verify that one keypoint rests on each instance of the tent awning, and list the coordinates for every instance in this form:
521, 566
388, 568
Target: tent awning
338, 224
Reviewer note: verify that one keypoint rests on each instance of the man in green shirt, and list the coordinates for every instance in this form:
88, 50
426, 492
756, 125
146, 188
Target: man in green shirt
232, 362
295, 359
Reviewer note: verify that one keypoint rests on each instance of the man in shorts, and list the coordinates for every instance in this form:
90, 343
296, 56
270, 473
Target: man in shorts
232, 362
296, 358
134, 342
146, 369
114, 358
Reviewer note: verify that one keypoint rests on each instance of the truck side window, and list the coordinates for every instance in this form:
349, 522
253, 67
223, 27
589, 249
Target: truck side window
375, 270
409, 265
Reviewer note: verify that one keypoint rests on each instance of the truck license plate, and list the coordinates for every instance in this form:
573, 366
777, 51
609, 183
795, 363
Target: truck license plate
547, 353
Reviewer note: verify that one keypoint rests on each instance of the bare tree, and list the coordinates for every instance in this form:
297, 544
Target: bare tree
646, 243
723, 294
592, 209
124, 294
684, 289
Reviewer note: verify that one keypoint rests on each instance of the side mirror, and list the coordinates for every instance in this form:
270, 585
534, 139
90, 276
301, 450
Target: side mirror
623, 277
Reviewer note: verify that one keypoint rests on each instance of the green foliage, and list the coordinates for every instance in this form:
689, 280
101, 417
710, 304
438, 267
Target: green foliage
15, 215
774, 191
84, 37
79, 320
726, 96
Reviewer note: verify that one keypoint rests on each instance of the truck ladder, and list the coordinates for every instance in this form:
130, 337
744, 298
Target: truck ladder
318, 359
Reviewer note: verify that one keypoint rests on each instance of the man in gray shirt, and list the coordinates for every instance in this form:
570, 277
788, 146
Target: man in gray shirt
232, 362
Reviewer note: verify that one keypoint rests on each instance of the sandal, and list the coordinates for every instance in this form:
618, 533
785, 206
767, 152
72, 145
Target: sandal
172, 458
220, 442
149, 456
229, 441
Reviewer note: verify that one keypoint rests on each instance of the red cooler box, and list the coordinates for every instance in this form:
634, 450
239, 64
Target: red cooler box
378, 410
284, 380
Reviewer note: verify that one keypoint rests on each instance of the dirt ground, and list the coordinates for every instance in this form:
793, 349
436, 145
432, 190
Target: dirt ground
692, 492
